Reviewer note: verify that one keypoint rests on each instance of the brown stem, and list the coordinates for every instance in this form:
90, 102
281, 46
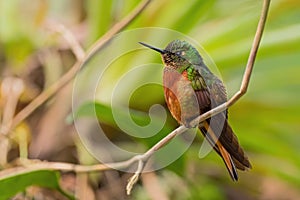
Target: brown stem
248, 70
252, 56
68, 36
68, 76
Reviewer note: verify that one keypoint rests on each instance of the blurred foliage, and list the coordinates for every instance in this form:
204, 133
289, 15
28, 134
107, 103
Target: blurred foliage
37, 178
266, 119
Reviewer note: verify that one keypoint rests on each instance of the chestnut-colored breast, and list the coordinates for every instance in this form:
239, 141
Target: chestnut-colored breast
180, 97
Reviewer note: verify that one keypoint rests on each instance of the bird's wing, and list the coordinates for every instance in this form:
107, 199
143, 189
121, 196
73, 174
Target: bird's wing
218, 91
213, 95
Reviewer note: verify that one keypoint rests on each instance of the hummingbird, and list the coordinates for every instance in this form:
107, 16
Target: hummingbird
191, 89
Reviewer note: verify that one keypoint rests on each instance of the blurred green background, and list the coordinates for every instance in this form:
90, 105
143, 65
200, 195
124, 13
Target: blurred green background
266, 119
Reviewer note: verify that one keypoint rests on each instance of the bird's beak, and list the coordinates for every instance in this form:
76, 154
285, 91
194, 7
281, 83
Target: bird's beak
153, 48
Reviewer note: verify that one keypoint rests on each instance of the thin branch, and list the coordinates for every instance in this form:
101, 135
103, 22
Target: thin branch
68, 36
28, 166
116, 28
132, 181
36, 165
248, 70
11, 90
252, 56
68, 76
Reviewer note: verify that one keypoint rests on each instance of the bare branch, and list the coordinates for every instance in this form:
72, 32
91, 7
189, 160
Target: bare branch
68, 76
248, 70
116, 28
132, 181
68, 36
252, 56
27, 166
11, 90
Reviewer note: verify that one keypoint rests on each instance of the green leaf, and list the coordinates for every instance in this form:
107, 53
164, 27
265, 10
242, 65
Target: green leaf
18, 182
104, 115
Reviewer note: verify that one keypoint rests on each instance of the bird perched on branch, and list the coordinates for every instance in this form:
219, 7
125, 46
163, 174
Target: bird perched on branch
191, 89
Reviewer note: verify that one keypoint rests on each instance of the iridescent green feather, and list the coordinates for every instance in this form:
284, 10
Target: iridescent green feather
186, 51
188, 58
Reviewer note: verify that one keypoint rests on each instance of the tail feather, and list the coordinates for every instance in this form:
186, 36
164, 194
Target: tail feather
227, 146
230, 142
239, 165
228, 162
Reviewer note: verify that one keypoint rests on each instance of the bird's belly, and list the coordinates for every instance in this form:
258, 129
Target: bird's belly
180, 97
173, 104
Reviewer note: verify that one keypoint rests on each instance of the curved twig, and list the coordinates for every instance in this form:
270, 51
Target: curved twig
68, 76
248, 70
